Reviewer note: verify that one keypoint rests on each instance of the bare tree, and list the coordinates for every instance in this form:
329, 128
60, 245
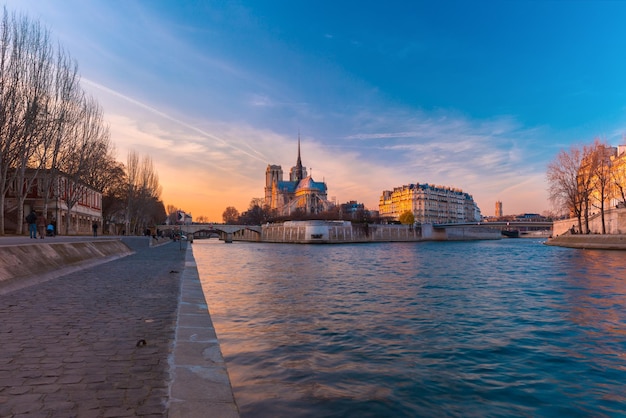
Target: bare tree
618, 180
66, 96
34, 85
10, 108
132, 175
41, 115
52, 136
171, 211
25, 62
562, 176
113, 198
601, 164
84, 149
586, 175
143, 193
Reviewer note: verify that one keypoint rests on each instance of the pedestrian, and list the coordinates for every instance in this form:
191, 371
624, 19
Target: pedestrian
94, 226
41, 225
31, 219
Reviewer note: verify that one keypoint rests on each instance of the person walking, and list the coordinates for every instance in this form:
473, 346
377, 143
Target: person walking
31, 219
94, 226
41, 225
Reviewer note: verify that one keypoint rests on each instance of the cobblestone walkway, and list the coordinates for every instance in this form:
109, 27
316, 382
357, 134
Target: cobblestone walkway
94, 343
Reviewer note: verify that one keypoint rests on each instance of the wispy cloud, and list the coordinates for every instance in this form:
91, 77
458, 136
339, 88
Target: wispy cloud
383, 135
223, 163
487, 158
201, 132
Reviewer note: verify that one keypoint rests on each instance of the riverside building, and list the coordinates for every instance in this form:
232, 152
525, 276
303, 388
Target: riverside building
71, 206
429, 204
300, 194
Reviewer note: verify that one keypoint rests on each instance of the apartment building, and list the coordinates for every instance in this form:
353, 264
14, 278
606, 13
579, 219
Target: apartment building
429, 204
53, 203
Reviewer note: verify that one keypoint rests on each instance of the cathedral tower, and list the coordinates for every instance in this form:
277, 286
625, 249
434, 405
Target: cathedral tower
273, 174
299, 171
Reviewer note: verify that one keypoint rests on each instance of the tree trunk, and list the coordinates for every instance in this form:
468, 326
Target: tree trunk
586, 216
2, 214
20, 217
602, 215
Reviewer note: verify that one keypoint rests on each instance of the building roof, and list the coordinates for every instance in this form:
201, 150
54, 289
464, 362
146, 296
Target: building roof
288, 186
308, 183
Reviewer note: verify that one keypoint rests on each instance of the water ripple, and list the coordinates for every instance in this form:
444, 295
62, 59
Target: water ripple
481, 329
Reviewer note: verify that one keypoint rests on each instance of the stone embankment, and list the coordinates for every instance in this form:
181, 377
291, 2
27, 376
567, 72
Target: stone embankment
341, 232
590, 241
614, 223
22, 263
132, 337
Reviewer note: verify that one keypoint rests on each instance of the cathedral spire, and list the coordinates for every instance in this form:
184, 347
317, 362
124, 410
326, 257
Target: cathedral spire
299, 171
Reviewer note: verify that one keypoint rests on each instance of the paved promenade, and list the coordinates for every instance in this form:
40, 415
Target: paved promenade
99, 342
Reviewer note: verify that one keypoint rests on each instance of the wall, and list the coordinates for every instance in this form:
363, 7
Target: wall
604, 242
23, 261
307, 232
472, 233
614, 220
337, 232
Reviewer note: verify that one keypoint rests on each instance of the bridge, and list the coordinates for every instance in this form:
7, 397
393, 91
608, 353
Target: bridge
225, 232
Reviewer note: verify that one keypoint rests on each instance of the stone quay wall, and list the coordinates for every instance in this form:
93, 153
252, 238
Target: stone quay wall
341, 232
22, 261
325, 232
469, 233
590, 241
614, 221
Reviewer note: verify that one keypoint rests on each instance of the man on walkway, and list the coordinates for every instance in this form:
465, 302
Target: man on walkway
41, 225
31, 219
94, 226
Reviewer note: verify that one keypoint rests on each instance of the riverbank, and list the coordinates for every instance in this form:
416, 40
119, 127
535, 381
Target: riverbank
590, 241
132, 337
24, 264
345, 232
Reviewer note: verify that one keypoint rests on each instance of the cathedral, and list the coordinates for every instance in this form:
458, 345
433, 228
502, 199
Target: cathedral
299, 194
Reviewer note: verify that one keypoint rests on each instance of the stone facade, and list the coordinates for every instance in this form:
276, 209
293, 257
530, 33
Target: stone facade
429, 204
86, 210
300, 194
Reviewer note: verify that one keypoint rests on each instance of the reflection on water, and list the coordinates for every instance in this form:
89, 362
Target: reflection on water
495, 328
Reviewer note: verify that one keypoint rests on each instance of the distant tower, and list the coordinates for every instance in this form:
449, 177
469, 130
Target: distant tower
498, 209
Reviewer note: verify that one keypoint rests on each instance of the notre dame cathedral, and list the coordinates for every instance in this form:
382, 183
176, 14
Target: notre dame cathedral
299, 194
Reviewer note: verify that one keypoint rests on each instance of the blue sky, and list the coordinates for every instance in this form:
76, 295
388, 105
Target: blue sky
476, 95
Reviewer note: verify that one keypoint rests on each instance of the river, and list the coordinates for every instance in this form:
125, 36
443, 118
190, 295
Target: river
432, 329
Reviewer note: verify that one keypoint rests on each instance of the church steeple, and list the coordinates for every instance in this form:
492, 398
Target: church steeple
299, 171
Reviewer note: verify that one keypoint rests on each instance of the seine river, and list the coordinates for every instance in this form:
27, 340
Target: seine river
438, 329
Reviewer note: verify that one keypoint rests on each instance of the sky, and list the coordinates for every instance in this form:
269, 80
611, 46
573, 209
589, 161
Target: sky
479, 96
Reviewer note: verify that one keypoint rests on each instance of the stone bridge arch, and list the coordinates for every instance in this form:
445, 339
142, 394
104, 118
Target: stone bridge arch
225, 232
